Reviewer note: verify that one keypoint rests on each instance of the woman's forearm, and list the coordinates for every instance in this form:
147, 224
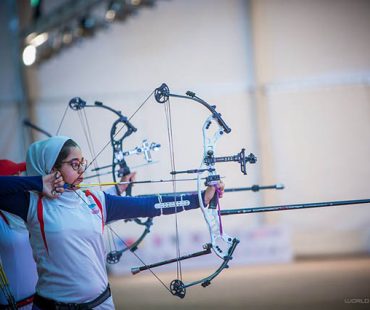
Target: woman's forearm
151, 206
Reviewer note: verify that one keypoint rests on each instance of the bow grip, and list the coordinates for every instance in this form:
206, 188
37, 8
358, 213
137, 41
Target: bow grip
214, 201
212, 180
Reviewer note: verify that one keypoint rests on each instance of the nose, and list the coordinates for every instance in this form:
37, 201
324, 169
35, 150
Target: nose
81, 168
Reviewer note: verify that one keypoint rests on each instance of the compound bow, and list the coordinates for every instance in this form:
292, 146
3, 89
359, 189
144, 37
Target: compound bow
222, 244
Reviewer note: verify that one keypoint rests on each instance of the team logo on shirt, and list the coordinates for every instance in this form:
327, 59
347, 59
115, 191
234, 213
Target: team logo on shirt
94, 208
92, 205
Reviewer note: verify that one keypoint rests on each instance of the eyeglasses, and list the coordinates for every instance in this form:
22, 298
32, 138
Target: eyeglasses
76, 164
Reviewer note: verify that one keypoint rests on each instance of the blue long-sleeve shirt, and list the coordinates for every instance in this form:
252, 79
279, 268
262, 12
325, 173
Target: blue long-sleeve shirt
15, 198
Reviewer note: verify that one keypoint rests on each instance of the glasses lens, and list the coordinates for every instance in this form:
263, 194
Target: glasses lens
75, 165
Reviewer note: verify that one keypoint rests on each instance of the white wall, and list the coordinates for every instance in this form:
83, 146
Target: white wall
313, 76
311, 103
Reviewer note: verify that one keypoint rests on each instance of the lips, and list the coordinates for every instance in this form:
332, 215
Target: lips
79, 180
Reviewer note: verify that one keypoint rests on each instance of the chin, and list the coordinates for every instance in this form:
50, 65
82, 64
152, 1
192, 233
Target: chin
78, 181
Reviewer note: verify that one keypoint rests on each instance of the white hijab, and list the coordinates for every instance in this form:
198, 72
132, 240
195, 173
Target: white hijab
41, 155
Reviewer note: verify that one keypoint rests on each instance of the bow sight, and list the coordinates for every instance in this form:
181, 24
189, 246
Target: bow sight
210, 160
240, 158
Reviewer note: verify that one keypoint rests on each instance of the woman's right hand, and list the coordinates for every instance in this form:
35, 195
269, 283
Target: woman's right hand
52, 185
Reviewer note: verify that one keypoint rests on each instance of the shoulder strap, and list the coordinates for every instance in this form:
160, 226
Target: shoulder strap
40, 217
97, 201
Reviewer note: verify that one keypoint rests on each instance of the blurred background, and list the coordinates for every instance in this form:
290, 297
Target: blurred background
290, 77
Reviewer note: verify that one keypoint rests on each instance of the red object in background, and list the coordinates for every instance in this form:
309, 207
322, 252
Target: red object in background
8, 167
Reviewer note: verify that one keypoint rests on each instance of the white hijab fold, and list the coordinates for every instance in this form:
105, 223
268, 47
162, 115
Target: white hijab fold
41, 155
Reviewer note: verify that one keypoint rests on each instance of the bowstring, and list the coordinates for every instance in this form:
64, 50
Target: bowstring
87, 131
167, 108
118, 237
62, 120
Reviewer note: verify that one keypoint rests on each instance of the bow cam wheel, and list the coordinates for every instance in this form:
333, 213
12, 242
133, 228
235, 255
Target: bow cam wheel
161, 93
77, 103
113, 257
177, 288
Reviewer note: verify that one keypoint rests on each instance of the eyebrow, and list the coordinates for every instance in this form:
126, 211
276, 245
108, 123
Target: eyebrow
76, 159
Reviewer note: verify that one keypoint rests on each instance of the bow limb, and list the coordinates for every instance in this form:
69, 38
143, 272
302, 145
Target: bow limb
114, 256
162, 95
178, 288
119, 164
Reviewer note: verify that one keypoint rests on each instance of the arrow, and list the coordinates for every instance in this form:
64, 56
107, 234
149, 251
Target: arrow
85, 185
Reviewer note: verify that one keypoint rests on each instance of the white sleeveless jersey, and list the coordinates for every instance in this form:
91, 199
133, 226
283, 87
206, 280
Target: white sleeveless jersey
16, 258
71, 261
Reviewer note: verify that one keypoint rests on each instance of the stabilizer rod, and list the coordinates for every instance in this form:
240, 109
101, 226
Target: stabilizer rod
294, 206
207, 250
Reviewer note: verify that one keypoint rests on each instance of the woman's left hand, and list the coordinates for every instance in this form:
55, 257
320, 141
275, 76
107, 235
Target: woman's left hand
211, 191
127, 178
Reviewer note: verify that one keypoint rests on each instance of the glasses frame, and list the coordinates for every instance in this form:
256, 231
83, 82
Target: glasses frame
83, 163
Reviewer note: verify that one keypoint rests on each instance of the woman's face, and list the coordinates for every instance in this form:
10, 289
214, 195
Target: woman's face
73, 167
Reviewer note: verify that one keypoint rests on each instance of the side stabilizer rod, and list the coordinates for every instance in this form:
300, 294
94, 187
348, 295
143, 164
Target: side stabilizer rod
207, 250
294, 206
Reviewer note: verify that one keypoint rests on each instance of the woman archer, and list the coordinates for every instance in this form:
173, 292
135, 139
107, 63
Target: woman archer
66, 225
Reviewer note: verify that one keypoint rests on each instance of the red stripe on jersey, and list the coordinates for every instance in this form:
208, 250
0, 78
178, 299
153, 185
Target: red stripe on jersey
97, 201
40, 216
